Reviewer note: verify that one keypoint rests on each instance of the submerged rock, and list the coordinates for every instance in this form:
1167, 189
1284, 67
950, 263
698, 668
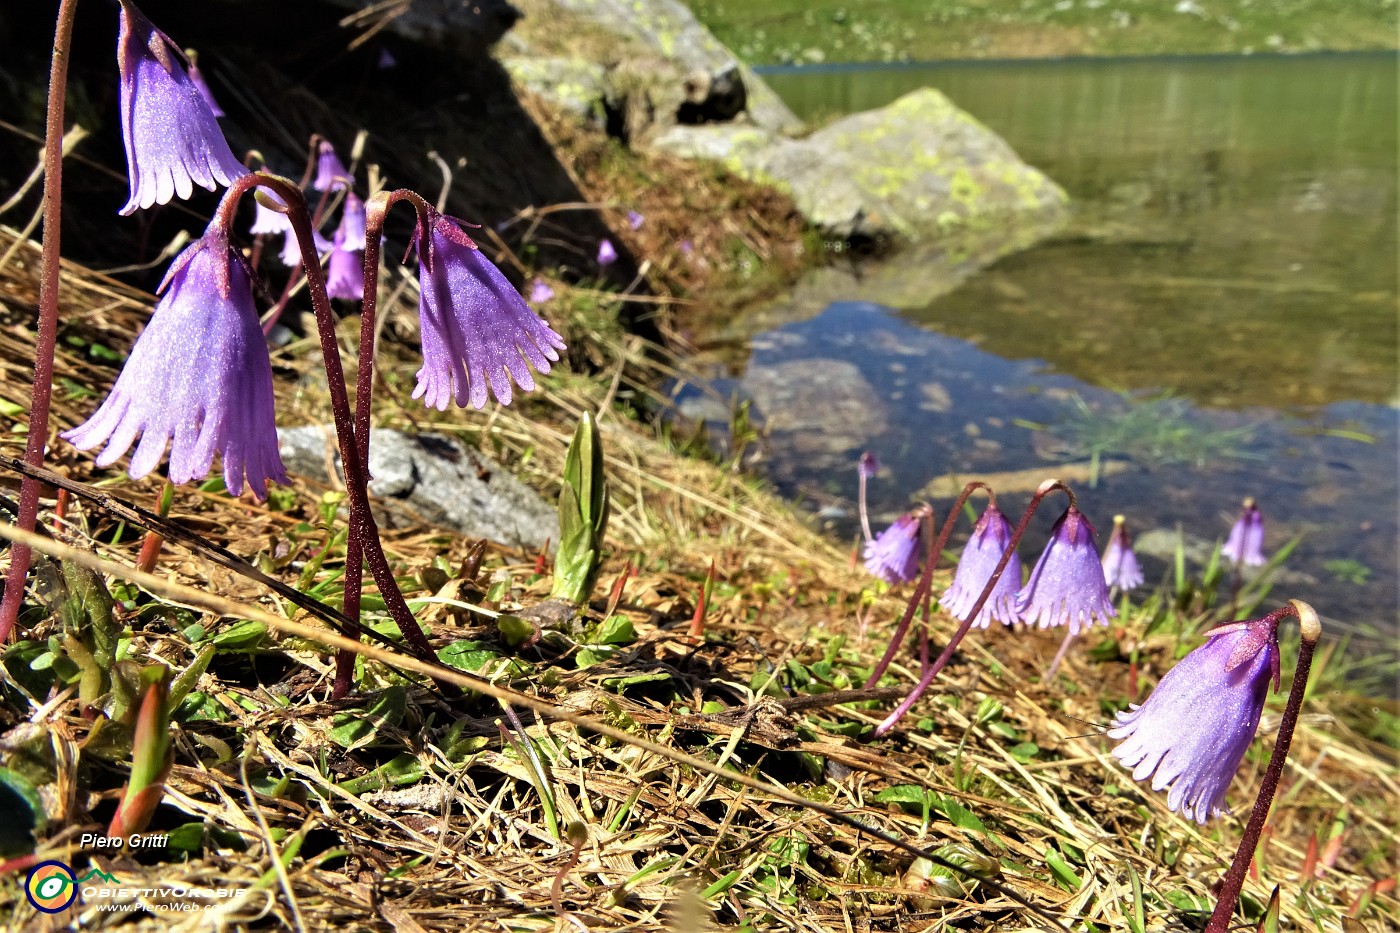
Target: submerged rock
445, 482
819, 412
919, 167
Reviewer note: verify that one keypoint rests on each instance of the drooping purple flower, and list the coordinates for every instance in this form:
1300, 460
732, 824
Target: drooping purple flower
386, 59
352, 222
1120, 564
607, 253
345, 271
291, 247
1246, 542
331, 173
686, 247
199, 376
1192, 732
540, 292
868, 465
635, 220
990, 538
1067, 586
172, 138
893, 555
197, 77
476, 329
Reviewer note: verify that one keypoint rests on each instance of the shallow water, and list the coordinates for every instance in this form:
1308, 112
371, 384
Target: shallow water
1234, 245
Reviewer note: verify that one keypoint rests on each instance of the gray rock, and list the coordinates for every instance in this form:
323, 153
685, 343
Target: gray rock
715, 80
575, 86
441, 480
916, 168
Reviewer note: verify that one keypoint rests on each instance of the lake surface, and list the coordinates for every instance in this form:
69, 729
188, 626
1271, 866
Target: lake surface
1219, 319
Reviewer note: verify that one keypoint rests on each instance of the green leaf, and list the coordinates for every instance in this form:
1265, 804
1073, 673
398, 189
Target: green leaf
1185, 900
241, 636
402, 769
583, 515
1269, 922
616, 630
1024, 752
184, 683
467, 655
1064, 875
959, 815
188, 837
517, 632
199, 707
351, 730
631, 680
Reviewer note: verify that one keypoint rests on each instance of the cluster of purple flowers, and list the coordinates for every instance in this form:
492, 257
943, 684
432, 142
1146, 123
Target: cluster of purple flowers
199, 378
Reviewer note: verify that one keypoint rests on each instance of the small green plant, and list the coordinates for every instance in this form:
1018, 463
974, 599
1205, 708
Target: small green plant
583, 515
1154, 431
1349, 571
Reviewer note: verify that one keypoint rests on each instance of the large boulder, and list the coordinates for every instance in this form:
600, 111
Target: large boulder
443, 481
916, 168
714, 84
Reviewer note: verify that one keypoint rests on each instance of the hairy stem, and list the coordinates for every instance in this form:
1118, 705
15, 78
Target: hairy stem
364, 392
924, 587
926, 581
362, 523
48, 314
931, 671
1234, 878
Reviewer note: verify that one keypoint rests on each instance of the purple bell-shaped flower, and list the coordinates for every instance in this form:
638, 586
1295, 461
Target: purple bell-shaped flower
1193, 730
173, 141
1120, 564
1067, 586
476, 329
607, 254
345, 271
1245, 546
990, 538
893, 554
331, 173
198, 380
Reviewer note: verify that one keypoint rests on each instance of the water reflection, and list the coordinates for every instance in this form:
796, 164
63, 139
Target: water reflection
938, 411
1235, 234
1234, 244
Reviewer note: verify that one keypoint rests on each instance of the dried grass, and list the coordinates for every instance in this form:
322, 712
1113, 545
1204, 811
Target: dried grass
466, 845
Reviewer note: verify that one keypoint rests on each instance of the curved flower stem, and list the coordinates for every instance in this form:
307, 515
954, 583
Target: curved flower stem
1234, 878
921, 592
925, 586
361, 520
48, 314
932, 671
375, 210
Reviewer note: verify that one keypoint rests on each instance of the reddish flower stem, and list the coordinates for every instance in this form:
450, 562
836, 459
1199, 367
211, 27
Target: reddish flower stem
364, 392
362, 523
924, 587
932, 671
1234, 878
48, 314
